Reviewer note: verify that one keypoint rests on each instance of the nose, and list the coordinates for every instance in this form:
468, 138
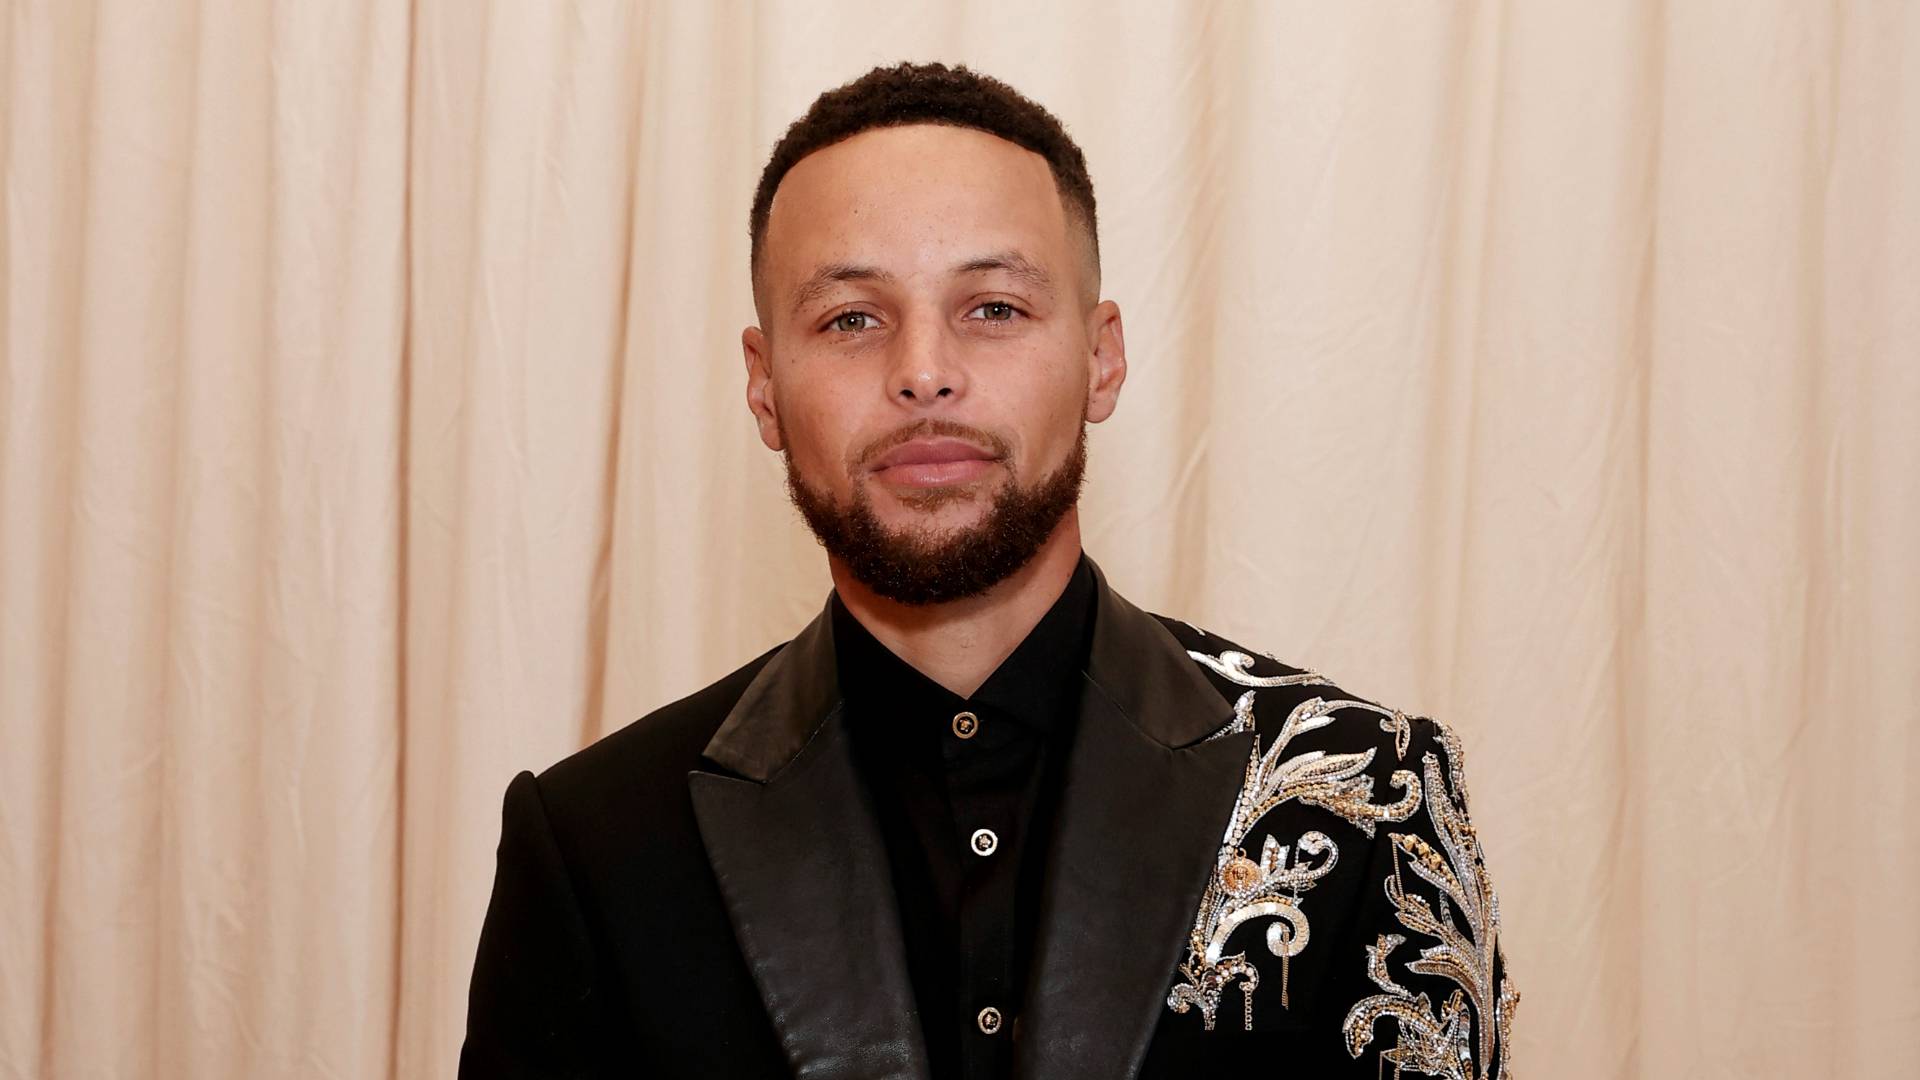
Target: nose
925, 368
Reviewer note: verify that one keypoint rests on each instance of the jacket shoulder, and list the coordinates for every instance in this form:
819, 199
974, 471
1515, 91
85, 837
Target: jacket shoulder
1351, 824
654, 752
1266, 691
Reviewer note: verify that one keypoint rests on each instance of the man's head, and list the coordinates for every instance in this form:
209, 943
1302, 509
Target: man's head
932, 94
930, 347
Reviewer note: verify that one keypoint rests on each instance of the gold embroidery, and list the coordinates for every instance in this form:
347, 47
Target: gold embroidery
1395, 723
1242, 889
1450, 1042
1336, 782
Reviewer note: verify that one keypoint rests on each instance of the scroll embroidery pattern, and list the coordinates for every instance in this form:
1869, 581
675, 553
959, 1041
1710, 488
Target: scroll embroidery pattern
1237, 667
1466, 923
1243, 889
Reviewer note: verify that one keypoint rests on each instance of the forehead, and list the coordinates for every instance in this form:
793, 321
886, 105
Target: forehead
912, 197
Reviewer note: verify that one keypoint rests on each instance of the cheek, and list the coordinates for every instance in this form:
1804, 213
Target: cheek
819, 437
1055, 395
814, 447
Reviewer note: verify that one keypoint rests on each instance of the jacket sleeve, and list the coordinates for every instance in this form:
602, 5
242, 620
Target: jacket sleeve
1437, 997
534, 1005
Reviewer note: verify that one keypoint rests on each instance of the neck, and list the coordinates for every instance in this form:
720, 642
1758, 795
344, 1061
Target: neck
959, 643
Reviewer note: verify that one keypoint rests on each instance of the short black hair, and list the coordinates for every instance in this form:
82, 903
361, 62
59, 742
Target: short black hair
929, 94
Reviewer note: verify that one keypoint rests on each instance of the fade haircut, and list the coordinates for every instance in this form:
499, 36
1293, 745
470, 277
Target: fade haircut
931, 94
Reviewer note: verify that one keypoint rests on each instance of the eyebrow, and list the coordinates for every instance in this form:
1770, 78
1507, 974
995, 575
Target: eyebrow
1009, 262
1013, 264
833, 274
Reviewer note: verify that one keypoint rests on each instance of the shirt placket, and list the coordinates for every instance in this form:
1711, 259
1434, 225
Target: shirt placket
984, 792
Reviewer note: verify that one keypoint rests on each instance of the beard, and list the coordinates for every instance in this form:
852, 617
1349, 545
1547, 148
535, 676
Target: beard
919, 565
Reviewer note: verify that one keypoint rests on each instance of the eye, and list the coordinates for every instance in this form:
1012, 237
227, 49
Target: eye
997, 311
851, 322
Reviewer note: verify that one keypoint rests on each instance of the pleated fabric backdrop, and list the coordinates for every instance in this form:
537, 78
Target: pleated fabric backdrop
371, 427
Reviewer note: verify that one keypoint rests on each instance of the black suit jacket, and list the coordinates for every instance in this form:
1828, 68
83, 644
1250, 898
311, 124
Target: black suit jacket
1249, 868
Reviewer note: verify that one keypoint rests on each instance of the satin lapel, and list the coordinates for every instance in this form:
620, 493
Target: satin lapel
1142, 813
804, 871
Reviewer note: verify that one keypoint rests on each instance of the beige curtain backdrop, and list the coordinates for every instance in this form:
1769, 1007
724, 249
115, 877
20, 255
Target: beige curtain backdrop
371, 428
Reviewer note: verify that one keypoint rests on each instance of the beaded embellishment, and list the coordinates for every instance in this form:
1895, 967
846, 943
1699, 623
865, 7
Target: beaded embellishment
1464, 921
1243, 889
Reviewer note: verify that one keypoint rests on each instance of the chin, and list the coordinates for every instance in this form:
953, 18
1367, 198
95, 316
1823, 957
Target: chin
943, 502
939, 508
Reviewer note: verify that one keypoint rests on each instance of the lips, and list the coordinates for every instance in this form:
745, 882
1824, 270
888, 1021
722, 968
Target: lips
942, 451
933, 462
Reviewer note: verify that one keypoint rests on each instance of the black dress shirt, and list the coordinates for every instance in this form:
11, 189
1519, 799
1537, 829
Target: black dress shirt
965, 791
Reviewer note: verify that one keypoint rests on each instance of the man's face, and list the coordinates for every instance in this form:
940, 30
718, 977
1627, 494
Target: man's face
929, 350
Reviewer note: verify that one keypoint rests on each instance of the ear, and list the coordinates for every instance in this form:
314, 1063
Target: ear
753, 346
1107, 365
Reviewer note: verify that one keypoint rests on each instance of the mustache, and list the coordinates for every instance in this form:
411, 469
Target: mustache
931, 428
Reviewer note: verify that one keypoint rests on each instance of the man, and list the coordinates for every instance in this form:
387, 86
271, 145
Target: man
982, 817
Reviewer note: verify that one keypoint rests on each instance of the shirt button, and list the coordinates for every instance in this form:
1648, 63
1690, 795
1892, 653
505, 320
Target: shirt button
985, 843
989, 1020
965, 724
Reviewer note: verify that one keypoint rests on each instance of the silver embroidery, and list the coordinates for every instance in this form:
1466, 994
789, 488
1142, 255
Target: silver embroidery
1336, 782
1237, 667
1377, 964
1444, 1044
1242, 719
1240, 889
1395, 723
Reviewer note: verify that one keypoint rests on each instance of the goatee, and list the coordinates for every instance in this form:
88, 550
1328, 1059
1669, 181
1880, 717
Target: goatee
920, 565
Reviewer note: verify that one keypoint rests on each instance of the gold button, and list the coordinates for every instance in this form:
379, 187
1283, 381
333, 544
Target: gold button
989, 1020
1240, 874
985, 843
965, 724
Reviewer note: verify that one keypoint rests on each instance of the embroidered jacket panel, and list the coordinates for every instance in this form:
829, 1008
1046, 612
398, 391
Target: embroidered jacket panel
1350, 914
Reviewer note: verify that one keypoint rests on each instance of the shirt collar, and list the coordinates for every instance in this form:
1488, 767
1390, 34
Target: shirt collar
1035, 686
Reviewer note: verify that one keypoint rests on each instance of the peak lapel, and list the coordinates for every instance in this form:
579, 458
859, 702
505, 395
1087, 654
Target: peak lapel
800, 861
1145, 803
